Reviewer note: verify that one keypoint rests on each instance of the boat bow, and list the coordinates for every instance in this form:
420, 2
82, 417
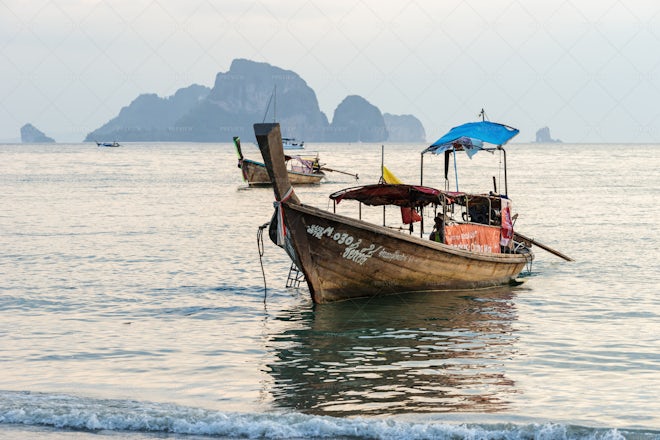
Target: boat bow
269, 139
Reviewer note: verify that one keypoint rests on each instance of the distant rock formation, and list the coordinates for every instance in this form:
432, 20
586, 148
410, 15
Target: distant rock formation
241, 97
355, 120
250, 92
543, 136
404, 128
31, 135
151, 118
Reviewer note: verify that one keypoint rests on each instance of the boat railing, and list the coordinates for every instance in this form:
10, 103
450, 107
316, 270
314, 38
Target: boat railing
457, 232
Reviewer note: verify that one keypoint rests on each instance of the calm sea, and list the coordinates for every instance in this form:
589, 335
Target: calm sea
132, 304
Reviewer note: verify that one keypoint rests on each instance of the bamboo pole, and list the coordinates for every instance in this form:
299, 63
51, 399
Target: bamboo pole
542, 246
339, 171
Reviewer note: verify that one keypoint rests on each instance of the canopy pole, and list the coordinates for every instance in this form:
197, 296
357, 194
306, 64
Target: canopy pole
444, 214
421, 183
506, 185
382, 163
447, 170
456, 170
382, 173
421, 222
421, 170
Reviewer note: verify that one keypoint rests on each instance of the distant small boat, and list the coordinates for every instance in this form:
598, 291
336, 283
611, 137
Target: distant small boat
292, 144
107, 144
301, 171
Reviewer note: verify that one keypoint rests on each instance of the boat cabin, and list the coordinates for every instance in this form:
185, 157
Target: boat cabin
477, 222
303, 165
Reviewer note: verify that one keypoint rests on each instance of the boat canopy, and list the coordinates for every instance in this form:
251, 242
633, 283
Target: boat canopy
471, 136
390, 194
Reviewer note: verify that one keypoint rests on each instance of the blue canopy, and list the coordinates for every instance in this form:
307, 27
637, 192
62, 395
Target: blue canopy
469, 137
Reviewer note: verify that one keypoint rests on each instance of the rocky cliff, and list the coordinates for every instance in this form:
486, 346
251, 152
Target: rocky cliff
251, 92
31, 135
356, 120
543, 136
404, 128
151, 118
254, 92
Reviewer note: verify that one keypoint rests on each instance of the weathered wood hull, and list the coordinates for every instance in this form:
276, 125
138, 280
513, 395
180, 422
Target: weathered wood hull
255, 174
345, 258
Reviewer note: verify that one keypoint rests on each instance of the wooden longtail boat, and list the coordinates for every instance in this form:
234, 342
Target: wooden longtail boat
343, 257
302, 171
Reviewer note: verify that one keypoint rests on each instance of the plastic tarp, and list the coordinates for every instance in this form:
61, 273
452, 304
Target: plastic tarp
470, 137
473, 237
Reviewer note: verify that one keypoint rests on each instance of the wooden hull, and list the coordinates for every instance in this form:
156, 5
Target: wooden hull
345, 258
256, 174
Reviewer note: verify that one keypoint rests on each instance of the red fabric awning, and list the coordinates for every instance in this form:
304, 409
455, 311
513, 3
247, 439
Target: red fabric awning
390, 194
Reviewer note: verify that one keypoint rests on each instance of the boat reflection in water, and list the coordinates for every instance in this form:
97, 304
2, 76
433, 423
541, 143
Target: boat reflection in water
412, 353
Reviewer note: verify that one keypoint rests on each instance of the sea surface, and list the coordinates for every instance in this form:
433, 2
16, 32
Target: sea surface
137, 301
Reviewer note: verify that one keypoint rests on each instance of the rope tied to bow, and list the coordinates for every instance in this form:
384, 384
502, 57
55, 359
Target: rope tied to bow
279, 213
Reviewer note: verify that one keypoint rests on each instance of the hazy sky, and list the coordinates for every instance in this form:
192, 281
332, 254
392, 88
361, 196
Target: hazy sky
588, 69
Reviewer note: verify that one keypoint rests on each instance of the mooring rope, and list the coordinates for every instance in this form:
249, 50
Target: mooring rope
279, 214
260, 247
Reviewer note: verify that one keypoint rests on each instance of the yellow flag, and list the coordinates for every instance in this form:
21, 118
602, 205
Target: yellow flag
388, 177
408, 215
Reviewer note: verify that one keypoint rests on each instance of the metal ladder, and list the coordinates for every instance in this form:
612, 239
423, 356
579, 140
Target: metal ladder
295, 276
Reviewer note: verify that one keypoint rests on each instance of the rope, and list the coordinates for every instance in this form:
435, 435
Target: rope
260, 247
281, 227
281, 233
530, 260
